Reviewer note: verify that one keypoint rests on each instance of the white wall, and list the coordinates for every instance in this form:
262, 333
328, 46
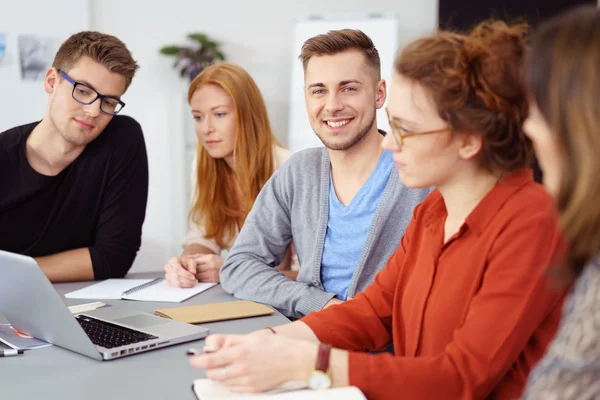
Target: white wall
22, 102
256, 34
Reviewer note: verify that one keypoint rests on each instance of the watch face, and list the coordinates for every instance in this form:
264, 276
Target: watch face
319, 380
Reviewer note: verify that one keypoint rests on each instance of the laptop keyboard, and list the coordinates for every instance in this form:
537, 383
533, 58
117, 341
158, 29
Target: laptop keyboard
110, 335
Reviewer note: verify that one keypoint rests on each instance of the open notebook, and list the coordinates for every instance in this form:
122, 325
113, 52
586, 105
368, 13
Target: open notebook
138, 289
206, 389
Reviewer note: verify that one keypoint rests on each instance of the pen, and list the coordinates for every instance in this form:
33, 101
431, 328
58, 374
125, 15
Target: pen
195, 352
10, 353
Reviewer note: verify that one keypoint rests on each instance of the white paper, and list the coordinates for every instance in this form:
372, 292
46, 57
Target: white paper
111, 289
162, 292
206, 389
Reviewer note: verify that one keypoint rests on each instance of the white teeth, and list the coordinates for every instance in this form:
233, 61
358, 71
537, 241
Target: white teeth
337, 124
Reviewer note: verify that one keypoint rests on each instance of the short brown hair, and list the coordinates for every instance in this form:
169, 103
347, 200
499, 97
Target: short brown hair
100, 47
475, 81
564, 80
340, 41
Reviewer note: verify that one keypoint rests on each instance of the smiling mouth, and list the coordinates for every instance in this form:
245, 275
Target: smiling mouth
84, 124
339, 123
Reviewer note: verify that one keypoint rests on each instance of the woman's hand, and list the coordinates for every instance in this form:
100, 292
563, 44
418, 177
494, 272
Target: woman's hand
181, 271
208, 267
256, 363
187, 270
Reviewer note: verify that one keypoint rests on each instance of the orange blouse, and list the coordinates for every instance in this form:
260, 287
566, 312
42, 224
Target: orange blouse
468, 318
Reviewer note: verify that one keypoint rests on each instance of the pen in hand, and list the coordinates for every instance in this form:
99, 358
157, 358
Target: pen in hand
10, 353
195, 352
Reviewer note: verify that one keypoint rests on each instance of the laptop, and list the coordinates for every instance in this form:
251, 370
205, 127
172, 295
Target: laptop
31, 304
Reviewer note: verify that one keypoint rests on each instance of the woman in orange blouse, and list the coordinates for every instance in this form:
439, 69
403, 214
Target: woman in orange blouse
464, 299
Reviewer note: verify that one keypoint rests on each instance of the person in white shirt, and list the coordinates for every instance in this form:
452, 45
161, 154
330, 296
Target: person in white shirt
237, 154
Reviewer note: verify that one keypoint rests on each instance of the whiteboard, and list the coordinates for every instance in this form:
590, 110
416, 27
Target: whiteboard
383, 30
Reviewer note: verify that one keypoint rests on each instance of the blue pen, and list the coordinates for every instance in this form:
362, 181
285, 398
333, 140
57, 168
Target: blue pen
10, 353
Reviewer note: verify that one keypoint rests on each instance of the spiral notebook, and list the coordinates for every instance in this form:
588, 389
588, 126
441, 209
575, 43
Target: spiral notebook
138, 289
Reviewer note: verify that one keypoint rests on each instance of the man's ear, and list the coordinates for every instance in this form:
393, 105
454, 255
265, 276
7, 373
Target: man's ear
470, 145
381, 93
51, 80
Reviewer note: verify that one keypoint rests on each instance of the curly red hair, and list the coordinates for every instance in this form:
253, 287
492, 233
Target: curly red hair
476, 83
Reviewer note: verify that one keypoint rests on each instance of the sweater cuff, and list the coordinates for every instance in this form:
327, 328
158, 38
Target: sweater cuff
318, 324
358, 370
314, 300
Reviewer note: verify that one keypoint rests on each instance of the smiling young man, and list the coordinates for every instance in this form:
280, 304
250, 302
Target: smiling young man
75, 184
341, 205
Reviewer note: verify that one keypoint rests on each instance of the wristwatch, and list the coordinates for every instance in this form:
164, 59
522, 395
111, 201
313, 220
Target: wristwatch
319, 378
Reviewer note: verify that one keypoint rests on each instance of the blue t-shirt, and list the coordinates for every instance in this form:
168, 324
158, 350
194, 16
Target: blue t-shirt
348, 226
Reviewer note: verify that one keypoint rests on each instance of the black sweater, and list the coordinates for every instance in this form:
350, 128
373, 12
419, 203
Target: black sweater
98, 201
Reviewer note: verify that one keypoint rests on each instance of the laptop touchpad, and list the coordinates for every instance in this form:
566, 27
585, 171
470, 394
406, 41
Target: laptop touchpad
142, 320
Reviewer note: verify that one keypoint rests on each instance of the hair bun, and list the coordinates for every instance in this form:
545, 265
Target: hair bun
495, 54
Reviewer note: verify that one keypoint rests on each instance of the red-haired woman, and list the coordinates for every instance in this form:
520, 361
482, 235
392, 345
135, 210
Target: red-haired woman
237, 154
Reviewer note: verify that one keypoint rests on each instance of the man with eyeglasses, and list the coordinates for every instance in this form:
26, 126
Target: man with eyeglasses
74, 186
343, 205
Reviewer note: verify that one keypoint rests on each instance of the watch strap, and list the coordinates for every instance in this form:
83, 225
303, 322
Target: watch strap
323, 357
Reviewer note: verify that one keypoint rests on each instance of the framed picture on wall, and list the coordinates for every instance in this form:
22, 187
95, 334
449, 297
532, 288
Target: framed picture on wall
36, 54
3, 46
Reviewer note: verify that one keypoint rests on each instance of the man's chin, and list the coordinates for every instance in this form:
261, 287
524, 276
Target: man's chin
79, 139
337, 146
338, 143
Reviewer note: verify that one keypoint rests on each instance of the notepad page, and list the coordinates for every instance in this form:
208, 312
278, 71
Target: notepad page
162, 292
206, 389
111, 289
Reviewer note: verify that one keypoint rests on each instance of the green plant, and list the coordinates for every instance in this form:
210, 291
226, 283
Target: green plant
190, 61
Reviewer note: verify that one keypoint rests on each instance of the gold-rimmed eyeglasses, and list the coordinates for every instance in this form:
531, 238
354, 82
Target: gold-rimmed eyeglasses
400, 133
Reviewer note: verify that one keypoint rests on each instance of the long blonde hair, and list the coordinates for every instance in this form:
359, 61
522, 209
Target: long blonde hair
564, 80
217, 207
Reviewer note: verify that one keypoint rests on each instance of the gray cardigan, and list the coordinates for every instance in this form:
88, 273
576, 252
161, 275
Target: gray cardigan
294, 205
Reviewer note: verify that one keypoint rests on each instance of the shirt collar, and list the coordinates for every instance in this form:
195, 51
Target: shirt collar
488, 207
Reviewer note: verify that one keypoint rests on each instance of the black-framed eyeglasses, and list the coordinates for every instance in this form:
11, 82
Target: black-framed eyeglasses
400, 133
84, 94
